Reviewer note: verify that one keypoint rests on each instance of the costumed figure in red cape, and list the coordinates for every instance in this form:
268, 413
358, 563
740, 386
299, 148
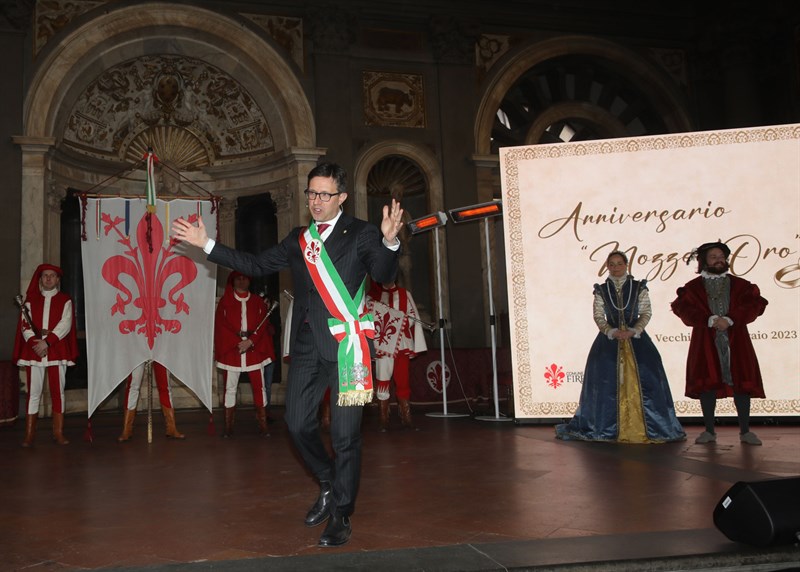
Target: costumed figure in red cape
722, 361
398, 338
243, 343
45, 345
133, 385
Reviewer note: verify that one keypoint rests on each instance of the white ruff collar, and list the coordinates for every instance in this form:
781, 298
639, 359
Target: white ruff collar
619, 281
710, 276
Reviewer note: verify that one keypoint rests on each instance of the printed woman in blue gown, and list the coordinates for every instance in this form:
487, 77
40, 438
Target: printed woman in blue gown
625, 396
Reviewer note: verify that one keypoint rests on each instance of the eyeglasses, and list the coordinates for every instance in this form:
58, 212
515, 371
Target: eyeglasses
324, 197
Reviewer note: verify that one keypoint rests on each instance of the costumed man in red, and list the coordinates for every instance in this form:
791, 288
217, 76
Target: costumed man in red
722, 361
133, 384
243, 343
398, 338
45, 345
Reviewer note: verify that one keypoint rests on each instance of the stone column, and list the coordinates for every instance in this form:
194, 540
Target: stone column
36, 226
52, 222
299, 163
283, 198
227, 222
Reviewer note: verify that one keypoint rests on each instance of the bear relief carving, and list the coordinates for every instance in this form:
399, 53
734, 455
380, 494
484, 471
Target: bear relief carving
396, 99
393, 99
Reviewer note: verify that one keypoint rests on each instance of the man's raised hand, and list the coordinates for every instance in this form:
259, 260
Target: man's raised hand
392, 221
183, 230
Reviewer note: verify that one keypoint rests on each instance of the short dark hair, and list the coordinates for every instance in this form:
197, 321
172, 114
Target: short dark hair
617, 253
331, 171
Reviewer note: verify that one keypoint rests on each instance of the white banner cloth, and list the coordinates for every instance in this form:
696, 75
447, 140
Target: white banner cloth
146, 303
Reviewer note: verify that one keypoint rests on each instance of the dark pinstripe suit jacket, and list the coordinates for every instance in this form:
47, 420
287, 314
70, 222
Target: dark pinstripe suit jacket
356, 250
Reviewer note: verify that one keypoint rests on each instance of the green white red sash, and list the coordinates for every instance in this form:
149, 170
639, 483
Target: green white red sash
350, 324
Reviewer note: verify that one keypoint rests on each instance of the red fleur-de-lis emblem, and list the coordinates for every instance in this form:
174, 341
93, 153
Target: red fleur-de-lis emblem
385, 328
150, 269
408, 330
312, 251
554, 375
435, 375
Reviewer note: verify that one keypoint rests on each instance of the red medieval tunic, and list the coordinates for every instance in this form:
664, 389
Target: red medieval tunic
703, 370
54, 314
237, 319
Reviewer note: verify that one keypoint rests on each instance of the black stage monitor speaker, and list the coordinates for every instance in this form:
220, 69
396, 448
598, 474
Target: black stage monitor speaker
761, 513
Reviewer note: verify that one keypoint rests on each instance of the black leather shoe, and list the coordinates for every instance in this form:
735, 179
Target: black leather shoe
320, 512
337, 532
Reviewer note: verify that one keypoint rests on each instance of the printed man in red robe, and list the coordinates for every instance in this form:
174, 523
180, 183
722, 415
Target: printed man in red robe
722, 361
243, 343
45, 345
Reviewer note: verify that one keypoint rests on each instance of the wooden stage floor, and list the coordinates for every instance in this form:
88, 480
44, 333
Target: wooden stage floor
459, 494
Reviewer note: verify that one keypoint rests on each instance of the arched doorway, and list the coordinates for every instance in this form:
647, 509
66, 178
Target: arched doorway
576, 86
410, 173
211, 92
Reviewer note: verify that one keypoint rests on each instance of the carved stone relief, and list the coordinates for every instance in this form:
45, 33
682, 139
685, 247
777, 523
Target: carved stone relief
489, 49
282, 197
674, 61
393, 99
452, 41
51, 16
190, 112
287, 33
332, 28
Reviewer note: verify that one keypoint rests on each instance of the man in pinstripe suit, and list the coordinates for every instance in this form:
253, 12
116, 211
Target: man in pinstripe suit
352, 250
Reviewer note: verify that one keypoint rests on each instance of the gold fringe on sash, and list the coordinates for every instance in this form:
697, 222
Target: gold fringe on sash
355, 397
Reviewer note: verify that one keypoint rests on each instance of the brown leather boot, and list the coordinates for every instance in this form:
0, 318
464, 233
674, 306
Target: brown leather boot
30, 429
58, 429
127, 425
383, 424
261, 417
325, 416
230, 415
169, 421
405, 414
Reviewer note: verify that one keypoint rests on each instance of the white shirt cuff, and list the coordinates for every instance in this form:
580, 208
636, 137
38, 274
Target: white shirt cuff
209, 246
394, 246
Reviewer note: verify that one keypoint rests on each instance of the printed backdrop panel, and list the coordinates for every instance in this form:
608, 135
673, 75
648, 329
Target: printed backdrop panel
656, 198
147, 296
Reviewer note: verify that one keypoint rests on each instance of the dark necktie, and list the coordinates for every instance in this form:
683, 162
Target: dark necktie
321, 228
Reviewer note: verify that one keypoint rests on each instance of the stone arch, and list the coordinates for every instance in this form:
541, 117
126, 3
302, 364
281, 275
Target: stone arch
661, 93
431, 170
111, 34
423, 157
116, 34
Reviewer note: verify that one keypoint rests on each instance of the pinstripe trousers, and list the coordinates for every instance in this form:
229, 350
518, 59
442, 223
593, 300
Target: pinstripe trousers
309, 376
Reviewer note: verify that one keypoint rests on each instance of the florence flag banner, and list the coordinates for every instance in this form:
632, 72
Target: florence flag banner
148, 296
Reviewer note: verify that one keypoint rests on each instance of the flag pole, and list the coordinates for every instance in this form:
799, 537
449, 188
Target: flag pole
149, 372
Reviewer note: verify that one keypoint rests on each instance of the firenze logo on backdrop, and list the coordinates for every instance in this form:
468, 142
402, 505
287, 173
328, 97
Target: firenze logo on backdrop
555, 376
